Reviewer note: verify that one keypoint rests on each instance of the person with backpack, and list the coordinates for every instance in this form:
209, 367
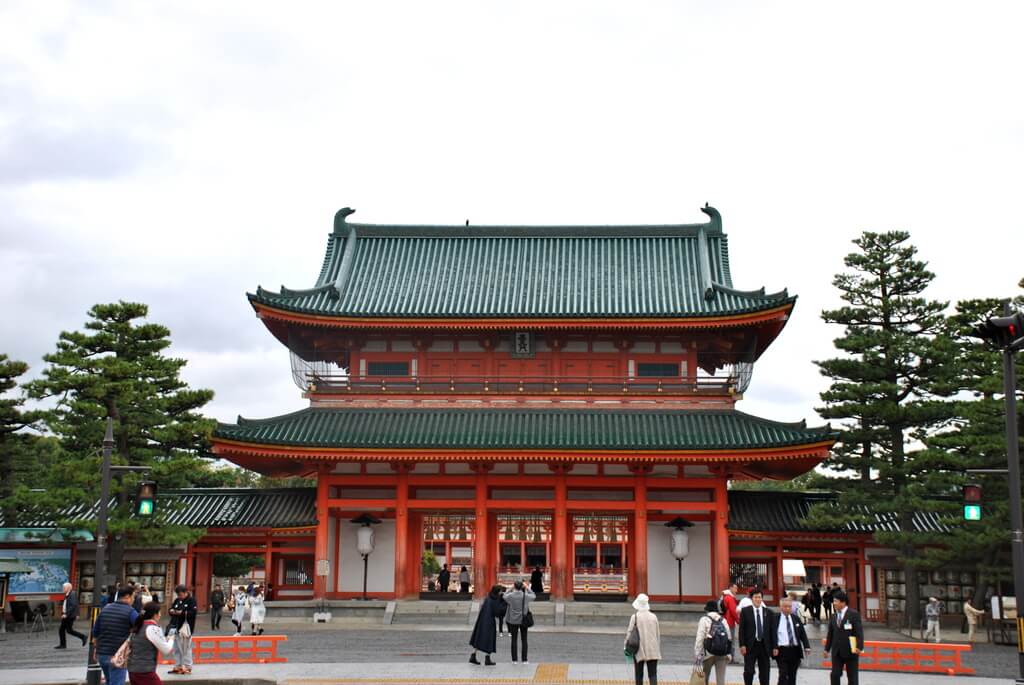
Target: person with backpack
113, 626
519, 618
713, 646
791, 643
648, 644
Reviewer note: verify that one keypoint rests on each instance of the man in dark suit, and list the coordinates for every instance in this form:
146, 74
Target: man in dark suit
843, 626
68, 614
756, 639
790, 638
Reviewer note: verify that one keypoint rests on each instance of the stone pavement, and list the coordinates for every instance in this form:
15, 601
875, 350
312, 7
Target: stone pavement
448, 674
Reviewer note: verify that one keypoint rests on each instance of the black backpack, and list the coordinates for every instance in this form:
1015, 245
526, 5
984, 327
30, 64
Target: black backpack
718, 642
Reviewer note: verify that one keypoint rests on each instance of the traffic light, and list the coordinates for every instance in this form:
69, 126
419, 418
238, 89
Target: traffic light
972, 502
145, 499
1004, 331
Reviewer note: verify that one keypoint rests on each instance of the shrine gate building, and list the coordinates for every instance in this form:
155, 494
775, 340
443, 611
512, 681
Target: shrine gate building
517, 397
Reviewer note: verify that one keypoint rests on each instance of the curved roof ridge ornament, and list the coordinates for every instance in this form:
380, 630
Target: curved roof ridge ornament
703, 258
348, 256
340, 217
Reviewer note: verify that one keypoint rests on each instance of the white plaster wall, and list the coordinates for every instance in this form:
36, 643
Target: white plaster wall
381, 577
662, 576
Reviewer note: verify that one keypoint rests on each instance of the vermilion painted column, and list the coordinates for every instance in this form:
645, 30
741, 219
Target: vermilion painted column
203, 573
561, 582
481, 544
640, 532
780, 583
268, 562
322, 493
721, 533
402, 531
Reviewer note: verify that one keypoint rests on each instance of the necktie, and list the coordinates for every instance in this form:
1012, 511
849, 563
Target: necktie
757, 617
789, 629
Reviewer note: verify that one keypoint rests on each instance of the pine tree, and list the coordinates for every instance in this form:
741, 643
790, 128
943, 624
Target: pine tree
20, 451
977, 440
117, 368
885, 392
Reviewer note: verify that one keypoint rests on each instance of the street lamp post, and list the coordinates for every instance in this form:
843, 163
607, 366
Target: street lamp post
680, 546
365, 542
93, 672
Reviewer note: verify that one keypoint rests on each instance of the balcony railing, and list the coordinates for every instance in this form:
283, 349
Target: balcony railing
480, 385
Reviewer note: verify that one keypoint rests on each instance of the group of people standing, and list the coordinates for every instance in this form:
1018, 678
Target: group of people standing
245, 600
508, 606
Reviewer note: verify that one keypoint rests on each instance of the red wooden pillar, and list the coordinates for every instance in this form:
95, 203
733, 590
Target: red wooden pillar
481, 539
561, 580
780, 583
322, 558
202, 579
721, 534
639, 574
402, 559
268, 562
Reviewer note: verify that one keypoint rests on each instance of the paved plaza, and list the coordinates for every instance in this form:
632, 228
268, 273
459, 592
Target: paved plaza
356, 654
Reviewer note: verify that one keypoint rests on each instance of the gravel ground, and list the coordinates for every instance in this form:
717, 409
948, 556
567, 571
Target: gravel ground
371, 643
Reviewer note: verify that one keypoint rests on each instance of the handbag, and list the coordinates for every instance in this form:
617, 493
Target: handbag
697, 675
120, 658
633, 641
528, 616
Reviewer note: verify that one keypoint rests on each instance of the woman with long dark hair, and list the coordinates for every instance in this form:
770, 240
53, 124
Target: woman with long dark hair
484, 637
147, 639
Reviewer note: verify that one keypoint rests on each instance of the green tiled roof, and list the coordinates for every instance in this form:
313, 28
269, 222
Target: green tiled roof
521, 429
784, 512
664, 271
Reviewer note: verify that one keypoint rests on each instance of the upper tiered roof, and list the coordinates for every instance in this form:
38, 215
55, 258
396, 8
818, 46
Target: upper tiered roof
524, 274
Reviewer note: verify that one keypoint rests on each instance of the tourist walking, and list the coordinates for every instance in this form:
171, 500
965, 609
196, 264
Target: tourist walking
713, 646
972, 615
932, 614
838, 643
444, 579
790, 639
756, 639
649, 651
537, 581
113, 626
816, 603
257, 611
464, 580
519, 618
239, 603
180, 629
826, 603
147, 639
483, 638
216, 606
68, 614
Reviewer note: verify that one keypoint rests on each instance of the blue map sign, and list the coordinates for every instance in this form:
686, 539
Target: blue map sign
51, 568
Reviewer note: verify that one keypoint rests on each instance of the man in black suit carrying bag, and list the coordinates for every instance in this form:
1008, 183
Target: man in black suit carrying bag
756, 639
843, 629
791, 643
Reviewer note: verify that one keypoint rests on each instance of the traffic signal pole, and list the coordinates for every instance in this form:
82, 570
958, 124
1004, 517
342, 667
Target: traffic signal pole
93, 672
1016, 517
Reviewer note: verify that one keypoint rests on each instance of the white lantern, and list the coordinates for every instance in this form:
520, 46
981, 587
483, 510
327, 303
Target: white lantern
680, 543
365, 541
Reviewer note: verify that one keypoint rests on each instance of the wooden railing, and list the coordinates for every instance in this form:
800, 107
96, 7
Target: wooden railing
912, 657
243, 649
511, 385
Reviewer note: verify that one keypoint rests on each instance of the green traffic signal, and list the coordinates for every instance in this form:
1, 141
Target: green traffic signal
145, 498
146, 507
972, 512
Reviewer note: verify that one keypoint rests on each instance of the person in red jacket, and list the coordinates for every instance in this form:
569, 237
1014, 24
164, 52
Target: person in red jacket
729, 602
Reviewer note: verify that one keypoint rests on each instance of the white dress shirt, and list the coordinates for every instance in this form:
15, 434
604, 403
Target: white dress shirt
782, 634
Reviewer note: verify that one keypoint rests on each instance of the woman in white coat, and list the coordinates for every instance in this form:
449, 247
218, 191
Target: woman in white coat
241, 604
650, 640
257, 611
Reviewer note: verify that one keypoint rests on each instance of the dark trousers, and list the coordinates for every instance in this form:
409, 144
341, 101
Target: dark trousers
515, 631
67, 627
788, 661
464, 588
501, 624
215, 617
652, 672
852, 664
757, 655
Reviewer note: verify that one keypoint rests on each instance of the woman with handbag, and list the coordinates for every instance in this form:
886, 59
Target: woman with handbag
146, 640
645, 645
519, 617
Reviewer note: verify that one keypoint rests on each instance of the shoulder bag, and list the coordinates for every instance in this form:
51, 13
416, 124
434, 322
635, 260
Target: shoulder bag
527, 615
120, 658
633, 641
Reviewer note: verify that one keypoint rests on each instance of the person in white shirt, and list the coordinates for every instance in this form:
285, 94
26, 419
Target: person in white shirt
791, 643
756, 639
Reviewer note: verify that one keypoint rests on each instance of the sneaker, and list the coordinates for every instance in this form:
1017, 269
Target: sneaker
526, 662
515, 663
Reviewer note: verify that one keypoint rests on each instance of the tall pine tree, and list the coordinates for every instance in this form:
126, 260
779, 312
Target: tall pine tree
20, 450
885, 392
117, 368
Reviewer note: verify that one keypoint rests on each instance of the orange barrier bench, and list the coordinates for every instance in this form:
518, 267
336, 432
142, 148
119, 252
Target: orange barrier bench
244, 649
912, 657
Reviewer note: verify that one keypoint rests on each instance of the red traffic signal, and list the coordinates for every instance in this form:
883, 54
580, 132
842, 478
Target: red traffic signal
1004, 331
972, 493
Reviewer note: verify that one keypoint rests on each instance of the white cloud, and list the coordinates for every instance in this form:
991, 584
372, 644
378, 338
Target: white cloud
182, 153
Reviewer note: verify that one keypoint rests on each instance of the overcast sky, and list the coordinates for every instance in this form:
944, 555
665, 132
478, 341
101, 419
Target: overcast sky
180, 154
